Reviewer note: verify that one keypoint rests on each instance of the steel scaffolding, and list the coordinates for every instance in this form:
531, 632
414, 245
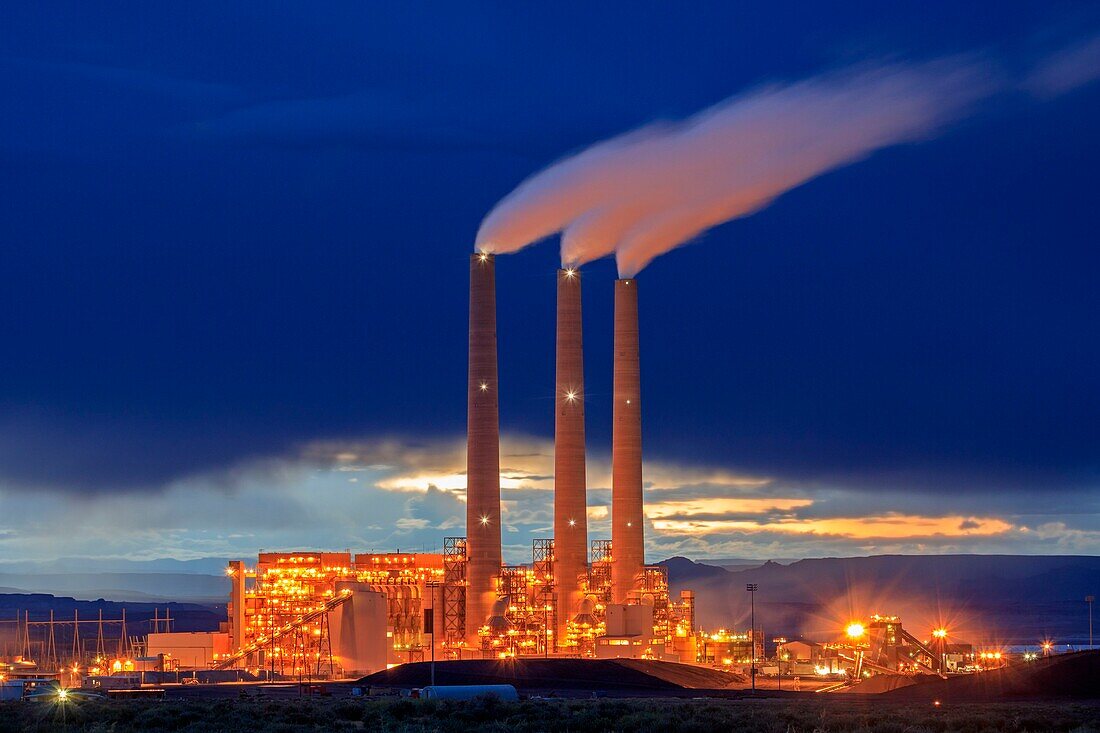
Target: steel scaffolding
454, 593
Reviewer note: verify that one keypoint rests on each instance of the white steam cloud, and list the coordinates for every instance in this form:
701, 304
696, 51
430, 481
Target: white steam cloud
643, 193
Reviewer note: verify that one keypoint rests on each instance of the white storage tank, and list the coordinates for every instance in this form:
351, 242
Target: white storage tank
507, 693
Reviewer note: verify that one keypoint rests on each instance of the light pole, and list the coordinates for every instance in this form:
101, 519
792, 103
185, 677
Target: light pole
779, 661
752, 588
432, 585
1089, 600
939, 640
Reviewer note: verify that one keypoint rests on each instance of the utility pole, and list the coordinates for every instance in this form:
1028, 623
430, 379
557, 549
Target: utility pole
51, 649
778, 664
432, 585
26, 635
76, 636
752, 588
100, 644
1089, 600
123, 643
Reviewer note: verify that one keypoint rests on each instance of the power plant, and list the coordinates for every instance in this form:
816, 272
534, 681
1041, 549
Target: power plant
332, 615
465, 602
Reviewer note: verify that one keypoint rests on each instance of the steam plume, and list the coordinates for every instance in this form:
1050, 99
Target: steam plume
643, 193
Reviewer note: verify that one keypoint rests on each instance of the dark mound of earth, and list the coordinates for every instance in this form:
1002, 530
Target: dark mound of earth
558, 674
880, 683
1066, 676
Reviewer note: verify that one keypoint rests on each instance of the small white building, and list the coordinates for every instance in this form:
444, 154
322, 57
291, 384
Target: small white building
629, 634
188, 649
803, 658
358, 628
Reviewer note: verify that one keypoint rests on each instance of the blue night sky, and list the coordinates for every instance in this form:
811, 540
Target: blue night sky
234, 245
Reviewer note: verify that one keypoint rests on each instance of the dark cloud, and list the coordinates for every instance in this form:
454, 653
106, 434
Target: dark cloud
840, 501
120, 454
334, 500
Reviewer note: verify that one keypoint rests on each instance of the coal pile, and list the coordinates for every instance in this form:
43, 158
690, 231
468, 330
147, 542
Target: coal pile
558, 674
1066, 676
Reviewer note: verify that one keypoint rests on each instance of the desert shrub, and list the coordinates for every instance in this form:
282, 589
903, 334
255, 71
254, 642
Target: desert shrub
833, 715
8, 718
348, 711
402, 709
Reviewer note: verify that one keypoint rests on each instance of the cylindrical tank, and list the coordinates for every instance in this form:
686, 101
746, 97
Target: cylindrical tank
506, 693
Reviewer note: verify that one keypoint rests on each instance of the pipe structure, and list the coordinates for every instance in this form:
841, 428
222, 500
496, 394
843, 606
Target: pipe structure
236, 572
570, 483
627, 541
483, 556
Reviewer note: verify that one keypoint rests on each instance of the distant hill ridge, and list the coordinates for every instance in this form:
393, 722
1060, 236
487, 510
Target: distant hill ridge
185, 616
64, 565
122, 586
1020, 597
1014, 596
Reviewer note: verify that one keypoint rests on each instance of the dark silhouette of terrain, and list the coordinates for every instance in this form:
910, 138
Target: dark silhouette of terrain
562, 674
1011, 599
1066, 676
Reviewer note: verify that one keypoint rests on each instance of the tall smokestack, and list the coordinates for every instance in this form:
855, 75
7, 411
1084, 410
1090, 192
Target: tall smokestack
628, 554
570, 499
483, 557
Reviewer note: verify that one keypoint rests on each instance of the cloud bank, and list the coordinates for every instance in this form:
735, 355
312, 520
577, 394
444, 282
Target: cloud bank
398, 493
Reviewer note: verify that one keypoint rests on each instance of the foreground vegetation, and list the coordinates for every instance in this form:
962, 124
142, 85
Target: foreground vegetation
408, 716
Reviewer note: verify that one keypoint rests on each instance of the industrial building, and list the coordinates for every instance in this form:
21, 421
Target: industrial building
576, 597
334, 614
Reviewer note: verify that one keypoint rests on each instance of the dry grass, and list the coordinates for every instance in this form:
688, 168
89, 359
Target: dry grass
417, 716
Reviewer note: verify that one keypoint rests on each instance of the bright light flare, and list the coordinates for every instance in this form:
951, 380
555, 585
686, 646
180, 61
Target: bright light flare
571, 395
855, 630
484, 519
939, 633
